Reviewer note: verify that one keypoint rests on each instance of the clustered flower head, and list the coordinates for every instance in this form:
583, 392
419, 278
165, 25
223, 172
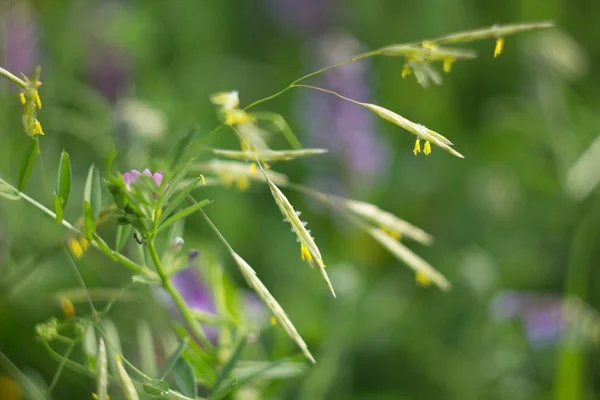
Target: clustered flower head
30, 98
229, 102
133, 176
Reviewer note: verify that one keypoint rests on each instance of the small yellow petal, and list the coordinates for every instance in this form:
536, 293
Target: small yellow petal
37, 128
67, 307
422, 279
84, 243
273, 321
265, 165
202, 179
405, 71
38, 101
304, 253
395, 235
427, 148
22, 97
252, 169
448, 64
75, 248
242, 183
417, 148
499, 47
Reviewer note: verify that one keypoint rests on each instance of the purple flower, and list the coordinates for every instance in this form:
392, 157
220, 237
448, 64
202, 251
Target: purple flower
542, 314
133, 175
20, 42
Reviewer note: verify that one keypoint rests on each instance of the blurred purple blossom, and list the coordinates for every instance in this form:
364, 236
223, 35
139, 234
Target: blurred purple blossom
20, 38
302, 16
542, 314
346, 129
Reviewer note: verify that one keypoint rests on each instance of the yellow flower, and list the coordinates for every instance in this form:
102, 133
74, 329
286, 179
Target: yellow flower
273, 321
499, 47
236, 116
304, 253
405, 71
242, 183
202, 179
422, 279
75, 248
84, 243
427, 148
448, 64
37, 128
417, 148
252, 169
67, 307
22, 97
38, 101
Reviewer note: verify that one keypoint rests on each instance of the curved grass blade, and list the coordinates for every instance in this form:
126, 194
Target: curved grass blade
102, 372
268, 155
63, 184
27, 164
126, 382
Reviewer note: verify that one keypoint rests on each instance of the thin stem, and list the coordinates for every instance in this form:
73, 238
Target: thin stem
179, 301
61, 366
330, 92
13, 78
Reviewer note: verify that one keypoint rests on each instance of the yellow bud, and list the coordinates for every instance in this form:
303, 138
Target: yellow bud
422, 279
84, 243
37, 128
273, 321
38, 101
405, 71
427, 148
22, 97
304, 253
202, 179
265, 165
448, 64
242, 183
417, 148
252, 169
67, 307
75, 248
499, 47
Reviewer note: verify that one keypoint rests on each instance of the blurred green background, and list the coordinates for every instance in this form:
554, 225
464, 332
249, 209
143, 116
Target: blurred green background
515, 222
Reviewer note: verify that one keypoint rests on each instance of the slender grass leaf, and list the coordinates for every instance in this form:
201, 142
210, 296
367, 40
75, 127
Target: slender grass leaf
58, 208
63, 184
88, 215
146, 346
231, 363
178, 177
268, 155
92, 192
123, 234
102, 372
156, 387
114, 340
179, 198
174, 357
183, 213
90, 350
224, 390
127, 385
181, 146
184, 378
265, 370
202, 369
27, 163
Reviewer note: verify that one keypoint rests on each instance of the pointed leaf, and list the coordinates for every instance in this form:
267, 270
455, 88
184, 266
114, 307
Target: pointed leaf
174, 357
184, 378
88, 215
126, 382
181, 146
27, 163
178, 177
92, 192
58, 208
231, 363
183, 213
179, 198
63, 184
156, 387
224, 390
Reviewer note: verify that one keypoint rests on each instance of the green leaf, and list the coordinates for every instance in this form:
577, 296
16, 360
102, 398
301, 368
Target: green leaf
174, 357
225, 389
123, 234
228, 367
58, 208
202, 369
146, 348
92, 192
90, 225
178, 177
63, 184
27, 163
179, 198
181, 146
183, 213
90, 350
126, 382
184, 378
156, 387
102, 371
